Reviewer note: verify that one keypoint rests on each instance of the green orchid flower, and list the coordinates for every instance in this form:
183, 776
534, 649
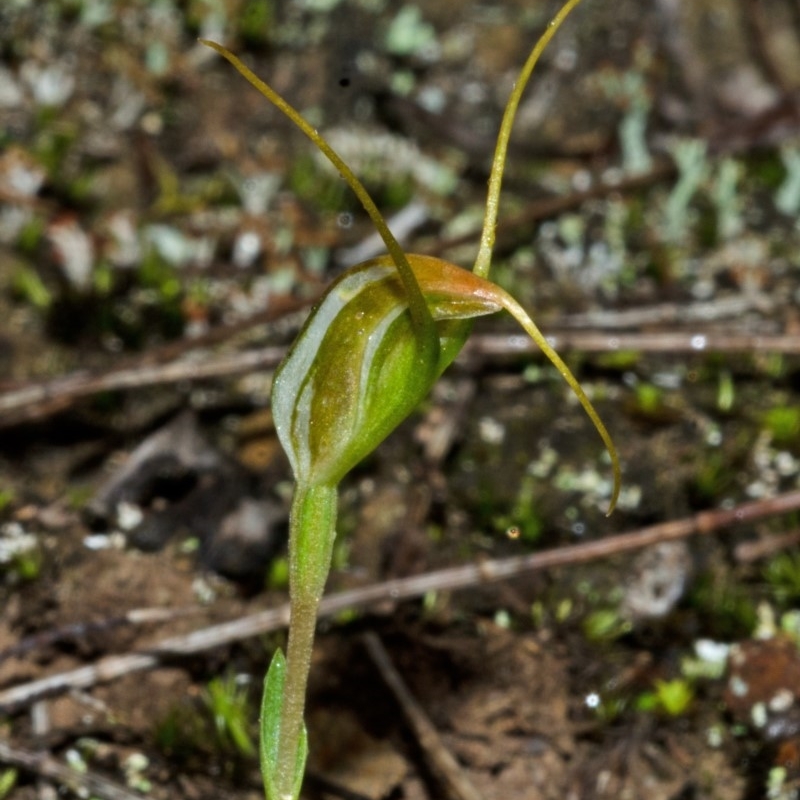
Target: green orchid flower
371, 350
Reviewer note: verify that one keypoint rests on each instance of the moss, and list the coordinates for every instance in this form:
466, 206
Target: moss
649, 399
605, 625
28, 287
725, 606
619, 360
715, 475
6, 498
254, 21
782, 573
53, 145
673, 697
523, 520
30, 237
8, 779
317, 186
783, 422
227, 701
767, 168
183, 733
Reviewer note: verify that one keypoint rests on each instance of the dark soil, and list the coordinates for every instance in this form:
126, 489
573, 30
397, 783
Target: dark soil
157, 215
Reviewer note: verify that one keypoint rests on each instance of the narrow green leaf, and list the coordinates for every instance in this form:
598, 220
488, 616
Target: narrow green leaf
300, 767
8, 779
271, 703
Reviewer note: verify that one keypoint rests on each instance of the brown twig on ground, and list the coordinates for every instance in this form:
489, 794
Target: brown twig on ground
747, 552
36, 401
453, 578
82, 784
439, 759
184, 359
545, 209
701, 312
40, 400
497, 344
756, 22
135, 617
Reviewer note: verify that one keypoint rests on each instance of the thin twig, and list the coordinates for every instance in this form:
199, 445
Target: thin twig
136, 617
167, 363
111, 667
41, 400
553, 206
439, 759
700, 312
82, 784
747, 552
762, 47
36, 401
498, 344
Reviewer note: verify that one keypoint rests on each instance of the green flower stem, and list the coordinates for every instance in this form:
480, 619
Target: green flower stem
312, 530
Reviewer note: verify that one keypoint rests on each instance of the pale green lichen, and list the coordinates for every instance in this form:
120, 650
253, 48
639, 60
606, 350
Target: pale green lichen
787, 198
727, 198
387, 158
693, 170
409, 34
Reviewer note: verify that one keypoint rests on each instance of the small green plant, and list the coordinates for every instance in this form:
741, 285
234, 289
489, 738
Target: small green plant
6, 498
605, 625
30, 288
649, 399
20, 553
783, 422
672, 697
8, 779
782, 573
226, 699
371, 350
724, 605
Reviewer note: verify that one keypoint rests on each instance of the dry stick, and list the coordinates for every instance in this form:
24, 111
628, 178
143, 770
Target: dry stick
747, 552
135, 617
439, 759
40, 400
175, 361
761, 46
83, 784
698, 312
111, 667
552, 206
609, 342
36, 401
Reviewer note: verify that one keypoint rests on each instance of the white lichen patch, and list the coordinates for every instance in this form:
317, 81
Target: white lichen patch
594, 486
383, 157
738, 687
781, 701
491, 431
758, 714
772, 465
15, 542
